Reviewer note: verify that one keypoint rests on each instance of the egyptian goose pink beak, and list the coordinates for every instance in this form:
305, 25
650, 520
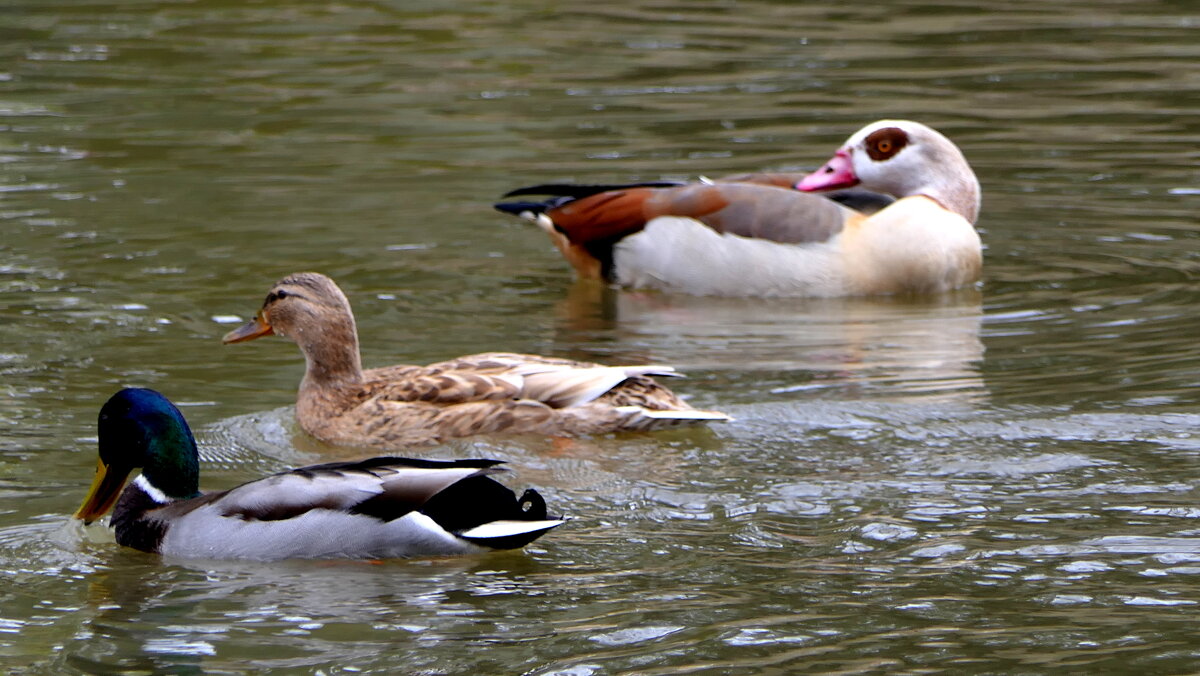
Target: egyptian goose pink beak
835, 174
766, 235
903, 159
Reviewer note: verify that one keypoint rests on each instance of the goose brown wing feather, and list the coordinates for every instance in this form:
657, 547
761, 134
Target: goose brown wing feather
757, 210
604, 216
777, 179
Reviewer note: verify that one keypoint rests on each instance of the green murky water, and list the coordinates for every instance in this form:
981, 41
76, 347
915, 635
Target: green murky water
1002, 481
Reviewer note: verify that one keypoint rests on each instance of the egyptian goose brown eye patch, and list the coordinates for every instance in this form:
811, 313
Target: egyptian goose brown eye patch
780, 234
882, 144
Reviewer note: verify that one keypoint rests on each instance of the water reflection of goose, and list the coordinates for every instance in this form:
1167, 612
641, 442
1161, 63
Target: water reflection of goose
756, 236
902, 346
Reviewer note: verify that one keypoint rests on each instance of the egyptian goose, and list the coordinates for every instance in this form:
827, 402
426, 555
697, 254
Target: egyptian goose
764, 235
398, 406
378, 508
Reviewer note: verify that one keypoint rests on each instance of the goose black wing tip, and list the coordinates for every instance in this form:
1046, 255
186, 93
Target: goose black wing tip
521, 208
576, 190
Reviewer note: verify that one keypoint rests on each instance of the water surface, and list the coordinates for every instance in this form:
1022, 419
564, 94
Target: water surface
999, 480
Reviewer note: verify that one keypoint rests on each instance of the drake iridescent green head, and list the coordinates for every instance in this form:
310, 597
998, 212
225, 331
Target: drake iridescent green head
140, 428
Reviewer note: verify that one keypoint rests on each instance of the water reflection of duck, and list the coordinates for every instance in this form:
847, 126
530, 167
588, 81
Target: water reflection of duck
397, 406
754, 235
377, 508
925, 346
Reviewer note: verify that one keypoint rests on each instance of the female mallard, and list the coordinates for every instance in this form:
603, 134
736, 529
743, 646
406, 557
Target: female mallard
397, 406
378, 508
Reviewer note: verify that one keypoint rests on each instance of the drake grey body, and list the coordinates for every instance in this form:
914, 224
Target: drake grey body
379, 508
374, 509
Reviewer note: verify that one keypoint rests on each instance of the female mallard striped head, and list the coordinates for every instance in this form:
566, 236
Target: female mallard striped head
308, 308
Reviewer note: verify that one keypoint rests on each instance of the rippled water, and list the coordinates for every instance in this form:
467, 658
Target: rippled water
993, 481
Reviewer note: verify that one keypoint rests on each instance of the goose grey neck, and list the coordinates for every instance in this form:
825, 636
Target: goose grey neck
959, 193
953, 184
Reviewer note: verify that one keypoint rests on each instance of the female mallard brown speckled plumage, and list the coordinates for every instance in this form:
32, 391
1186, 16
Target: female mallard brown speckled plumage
377, 508
398, 406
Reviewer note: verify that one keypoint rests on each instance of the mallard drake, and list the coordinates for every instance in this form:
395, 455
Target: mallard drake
378, 508
399, 406
765, 235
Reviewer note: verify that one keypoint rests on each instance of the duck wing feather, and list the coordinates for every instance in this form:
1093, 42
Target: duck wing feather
499, 376
386, 488
762, 206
